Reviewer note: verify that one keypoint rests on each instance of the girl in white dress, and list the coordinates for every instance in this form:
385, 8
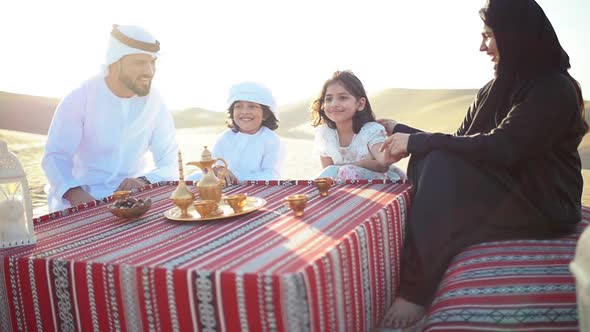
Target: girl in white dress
347, 137
251, 148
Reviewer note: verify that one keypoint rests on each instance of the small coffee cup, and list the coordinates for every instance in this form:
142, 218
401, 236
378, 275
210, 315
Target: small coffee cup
323, 185
237, 202
206, 208
296, 203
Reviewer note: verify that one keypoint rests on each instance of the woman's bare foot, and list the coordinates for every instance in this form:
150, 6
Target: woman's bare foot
402, 314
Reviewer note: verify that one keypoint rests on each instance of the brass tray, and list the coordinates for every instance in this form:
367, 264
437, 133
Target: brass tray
224, 211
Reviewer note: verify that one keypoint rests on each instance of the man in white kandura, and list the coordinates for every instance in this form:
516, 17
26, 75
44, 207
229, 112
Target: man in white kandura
102, 131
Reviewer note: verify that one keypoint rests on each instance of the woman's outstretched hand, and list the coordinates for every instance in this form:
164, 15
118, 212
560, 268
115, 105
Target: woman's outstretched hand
388, 124
395, 147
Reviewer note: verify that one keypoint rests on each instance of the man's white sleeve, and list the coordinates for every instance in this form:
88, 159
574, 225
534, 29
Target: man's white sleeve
65, 134
164, 148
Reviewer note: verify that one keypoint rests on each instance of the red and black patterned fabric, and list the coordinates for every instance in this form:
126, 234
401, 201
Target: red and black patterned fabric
522, 285
334, 269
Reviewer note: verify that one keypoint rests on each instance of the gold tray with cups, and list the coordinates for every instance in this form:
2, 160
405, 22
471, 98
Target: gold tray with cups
223, 211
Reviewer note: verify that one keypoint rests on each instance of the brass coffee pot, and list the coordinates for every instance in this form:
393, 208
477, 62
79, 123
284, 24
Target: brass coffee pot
182, 196
210, 186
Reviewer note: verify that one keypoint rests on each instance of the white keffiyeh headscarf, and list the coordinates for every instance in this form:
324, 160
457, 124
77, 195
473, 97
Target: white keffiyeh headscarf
129, 39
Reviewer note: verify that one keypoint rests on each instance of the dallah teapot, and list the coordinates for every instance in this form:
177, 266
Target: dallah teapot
210, 185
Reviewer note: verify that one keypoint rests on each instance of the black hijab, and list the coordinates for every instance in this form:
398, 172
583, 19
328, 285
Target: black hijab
528, 48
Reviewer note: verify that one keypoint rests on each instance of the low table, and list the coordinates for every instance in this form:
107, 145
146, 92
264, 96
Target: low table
335, 268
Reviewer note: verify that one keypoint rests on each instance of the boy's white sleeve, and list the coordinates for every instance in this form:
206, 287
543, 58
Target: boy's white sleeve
219, 145
274, 156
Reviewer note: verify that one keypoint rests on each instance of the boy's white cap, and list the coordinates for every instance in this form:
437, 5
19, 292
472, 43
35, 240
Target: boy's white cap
255, 93
129, 39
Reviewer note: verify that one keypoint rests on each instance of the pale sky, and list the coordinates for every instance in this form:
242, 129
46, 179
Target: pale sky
49, 47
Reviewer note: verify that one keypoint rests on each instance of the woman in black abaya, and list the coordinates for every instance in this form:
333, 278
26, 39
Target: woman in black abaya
512, 170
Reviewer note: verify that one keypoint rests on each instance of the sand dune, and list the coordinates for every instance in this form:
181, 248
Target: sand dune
430, 110
30, 114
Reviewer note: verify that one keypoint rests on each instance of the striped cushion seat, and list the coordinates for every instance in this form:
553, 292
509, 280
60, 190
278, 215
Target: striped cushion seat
522, 285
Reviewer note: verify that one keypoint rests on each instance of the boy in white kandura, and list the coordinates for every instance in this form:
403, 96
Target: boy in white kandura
251, 148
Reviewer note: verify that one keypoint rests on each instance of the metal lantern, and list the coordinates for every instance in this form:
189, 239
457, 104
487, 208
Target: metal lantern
16, 209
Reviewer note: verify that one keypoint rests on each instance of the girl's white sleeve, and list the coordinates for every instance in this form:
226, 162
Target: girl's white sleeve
320, 142
374, 133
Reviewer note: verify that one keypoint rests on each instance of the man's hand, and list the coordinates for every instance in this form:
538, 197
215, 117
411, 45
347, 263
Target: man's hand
388, 124
132, 183
395, 147
77, 196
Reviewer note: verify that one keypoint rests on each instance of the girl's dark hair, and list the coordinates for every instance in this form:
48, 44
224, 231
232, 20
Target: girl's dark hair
527, 43
270, 122
353, 86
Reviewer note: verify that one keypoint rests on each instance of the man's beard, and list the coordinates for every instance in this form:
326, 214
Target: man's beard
131, 85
